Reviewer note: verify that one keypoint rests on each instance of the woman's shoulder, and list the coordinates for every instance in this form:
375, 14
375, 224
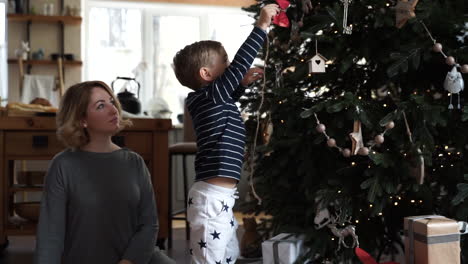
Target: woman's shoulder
130, 154
63, 156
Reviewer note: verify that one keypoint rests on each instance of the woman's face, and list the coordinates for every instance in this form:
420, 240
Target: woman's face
102, 117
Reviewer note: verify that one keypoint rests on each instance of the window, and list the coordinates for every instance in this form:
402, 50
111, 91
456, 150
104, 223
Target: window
114, 43
141, 39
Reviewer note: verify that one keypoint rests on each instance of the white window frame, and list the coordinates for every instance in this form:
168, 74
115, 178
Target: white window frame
149, 10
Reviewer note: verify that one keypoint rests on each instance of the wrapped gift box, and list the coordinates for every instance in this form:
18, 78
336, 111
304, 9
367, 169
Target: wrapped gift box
431, 239
282, 249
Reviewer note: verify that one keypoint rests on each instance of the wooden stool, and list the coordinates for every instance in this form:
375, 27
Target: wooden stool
185, 148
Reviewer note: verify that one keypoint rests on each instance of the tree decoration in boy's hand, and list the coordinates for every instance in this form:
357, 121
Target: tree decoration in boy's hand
282, 19
404, 11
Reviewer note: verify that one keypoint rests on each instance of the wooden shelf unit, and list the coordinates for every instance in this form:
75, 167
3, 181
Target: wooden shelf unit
62, 22
46, 62
69, 20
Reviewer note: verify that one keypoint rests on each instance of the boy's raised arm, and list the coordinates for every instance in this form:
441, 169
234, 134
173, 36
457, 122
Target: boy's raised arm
223, 88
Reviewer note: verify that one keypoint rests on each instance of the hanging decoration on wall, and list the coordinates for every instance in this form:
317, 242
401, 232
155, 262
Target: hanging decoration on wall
317, 63
346, 29
454, 85
282, 19
404, 11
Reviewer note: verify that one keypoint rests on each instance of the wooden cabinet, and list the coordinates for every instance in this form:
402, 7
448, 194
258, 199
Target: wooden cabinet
33, 138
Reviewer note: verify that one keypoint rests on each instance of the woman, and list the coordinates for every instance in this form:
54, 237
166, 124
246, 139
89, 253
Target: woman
98, 204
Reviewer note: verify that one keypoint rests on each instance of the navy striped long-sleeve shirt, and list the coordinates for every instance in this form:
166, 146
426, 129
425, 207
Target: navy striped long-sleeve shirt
216, 118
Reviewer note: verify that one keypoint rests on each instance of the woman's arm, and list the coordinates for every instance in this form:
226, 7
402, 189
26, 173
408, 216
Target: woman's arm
52, 219
143, 242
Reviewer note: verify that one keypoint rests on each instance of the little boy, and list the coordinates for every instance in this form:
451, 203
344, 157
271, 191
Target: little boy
204, 67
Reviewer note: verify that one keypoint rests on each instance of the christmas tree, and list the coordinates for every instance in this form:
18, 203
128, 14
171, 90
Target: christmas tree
376, 137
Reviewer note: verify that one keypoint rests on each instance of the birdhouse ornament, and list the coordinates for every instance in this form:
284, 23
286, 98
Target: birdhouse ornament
454, 85
317, 63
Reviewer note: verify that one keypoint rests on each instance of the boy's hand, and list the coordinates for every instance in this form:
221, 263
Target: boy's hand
266, 15
251, 76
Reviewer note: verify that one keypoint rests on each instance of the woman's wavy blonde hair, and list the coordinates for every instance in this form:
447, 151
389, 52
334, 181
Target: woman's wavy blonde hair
72, 111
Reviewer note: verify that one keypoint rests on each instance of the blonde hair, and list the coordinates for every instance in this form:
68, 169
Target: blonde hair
72, 111
188, 61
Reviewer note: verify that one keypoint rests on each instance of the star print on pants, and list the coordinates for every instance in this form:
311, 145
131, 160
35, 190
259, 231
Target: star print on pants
218, 262
225, 207
202, 244
191, 251
215, 235
228, 260
190, 201
232, 223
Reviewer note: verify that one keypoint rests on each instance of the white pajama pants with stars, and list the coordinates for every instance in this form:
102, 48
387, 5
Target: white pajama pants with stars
213, 238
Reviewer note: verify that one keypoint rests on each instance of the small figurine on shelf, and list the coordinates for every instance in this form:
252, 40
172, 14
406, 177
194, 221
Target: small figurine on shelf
38, 55
23, 51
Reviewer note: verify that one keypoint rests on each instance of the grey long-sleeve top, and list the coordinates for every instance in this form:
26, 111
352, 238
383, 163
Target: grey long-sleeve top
97, 208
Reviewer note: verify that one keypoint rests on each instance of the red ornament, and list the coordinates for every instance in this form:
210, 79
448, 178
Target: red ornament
282, 19
365, 258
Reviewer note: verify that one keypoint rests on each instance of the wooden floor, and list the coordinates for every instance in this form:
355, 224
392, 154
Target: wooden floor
21, 248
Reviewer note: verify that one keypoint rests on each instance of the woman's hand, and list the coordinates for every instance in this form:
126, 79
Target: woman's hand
251, 76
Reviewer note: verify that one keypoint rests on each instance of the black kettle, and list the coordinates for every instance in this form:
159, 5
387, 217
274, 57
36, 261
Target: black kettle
129, 102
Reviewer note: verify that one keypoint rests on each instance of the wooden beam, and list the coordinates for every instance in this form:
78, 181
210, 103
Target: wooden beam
232, 3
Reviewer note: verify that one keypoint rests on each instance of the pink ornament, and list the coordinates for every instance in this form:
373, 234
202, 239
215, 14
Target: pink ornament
450, 60
346, 153
390, 125
437, 47
320, 128
364, 151
464, 68
379, 139
331, 142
